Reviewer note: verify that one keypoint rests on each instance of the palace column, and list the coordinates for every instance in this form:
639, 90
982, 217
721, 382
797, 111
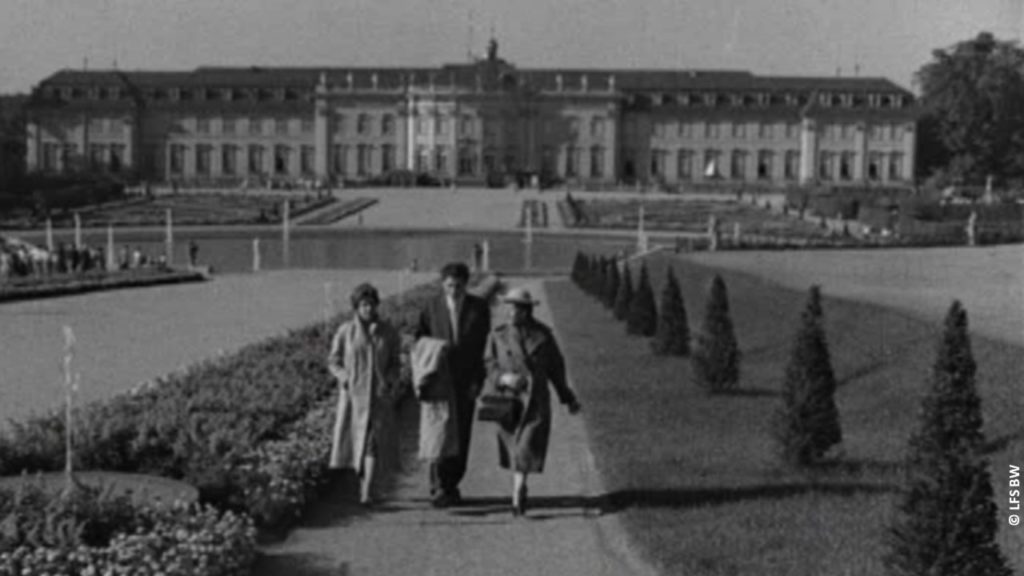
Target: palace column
611, 145
860, 150
808, 150
322, 131
402, 137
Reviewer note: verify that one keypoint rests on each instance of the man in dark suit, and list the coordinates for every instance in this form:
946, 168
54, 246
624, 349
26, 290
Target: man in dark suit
464, 320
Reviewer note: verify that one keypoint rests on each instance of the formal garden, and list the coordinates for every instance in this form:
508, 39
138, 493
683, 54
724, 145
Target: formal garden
809, 435
246, 430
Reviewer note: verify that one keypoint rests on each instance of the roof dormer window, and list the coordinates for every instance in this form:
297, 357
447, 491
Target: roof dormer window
175, 94
279, 94
709, 99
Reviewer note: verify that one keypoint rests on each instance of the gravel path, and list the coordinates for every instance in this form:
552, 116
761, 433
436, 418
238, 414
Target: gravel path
130, 336
562, 534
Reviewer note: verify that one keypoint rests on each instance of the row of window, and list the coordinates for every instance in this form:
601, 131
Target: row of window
101, 156
255, 159
766, 130
765, 99
831, 166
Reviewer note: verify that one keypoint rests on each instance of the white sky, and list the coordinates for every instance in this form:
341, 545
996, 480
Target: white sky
890, 38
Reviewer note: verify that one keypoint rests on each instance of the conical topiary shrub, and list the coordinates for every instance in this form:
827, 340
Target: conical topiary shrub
642, 319
808, 424
672, 336
625, 294
600, 278
947, 521
716, 356
611, 284
578, 269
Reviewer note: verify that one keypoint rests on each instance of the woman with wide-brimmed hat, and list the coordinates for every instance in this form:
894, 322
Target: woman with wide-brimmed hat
364, 358
522, 358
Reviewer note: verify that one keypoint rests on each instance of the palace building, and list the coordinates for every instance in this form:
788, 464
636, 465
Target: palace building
221, 126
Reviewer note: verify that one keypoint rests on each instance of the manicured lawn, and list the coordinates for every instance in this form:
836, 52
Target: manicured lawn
696, 477
692, 216
341, 210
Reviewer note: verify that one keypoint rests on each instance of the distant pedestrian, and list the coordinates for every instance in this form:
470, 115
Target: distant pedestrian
193, 253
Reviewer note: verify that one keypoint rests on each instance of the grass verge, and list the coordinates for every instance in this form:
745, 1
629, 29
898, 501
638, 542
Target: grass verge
696, 477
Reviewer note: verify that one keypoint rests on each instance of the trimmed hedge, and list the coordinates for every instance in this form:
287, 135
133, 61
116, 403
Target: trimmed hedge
34, 287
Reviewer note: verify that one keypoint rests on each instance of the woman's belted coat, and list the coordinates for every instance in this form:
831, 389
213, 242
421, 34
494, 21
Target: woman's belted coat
365, 360
530, 351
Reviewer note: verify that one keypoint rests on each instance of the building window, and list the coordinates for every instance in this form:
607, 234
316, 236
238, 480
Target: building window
387, 157
659, 129
68, 155
363, 158
281, 157
255, 159
441, 160
739, 130
825, 166
846, 165
685, 130
255, 126
684, 164
711, 130
339, 124
227, 125
876, 132
489, 161
467, 161
547, 160
177, 160
203, 159
896, 166
766, 131
658, 158
422, 159
792, 165
97, 156
116, 157
421, 125
387, 124
792, 130
712, 161
229, 159
441, 124
874, 166
572, 162
307, 126
307, 155
845, 131
202, 125
96, 125
738, 169
281, 126
363, 124
597, 127
597, 162
339, 154
466, 126
765, 159
897, 133
50, 156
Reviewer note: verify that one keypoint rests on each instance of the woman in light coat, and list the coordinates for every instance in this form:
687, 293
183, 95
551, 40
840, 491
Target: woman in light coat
364, 358
522, 358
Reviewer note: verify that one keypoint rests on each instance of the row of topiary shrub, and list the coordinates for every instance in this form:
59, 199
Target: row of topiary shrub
946, 519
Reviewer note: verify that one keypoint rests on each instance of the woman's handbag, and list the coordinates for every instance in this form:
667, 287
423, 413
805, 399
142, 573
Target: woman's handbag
498, 403
497, 407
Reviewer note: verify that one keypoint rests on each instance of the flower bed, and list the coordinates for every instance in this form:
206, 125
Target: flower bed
32, 287
87, 532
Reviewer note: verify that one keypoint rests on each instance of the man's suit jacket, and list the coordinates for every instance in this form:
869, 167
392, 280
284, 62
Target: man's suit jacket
466, 358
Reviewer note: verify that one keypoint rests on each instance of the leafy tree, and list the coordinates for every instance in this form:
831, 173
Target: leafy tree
972, 94
716, 356
642, 319
611, 284
808, 424
672, 336
946, 523
625, 294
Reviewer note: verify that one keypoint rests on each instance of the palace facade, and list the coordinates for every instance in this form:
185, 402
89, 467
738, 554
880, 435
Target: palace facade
221, 126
